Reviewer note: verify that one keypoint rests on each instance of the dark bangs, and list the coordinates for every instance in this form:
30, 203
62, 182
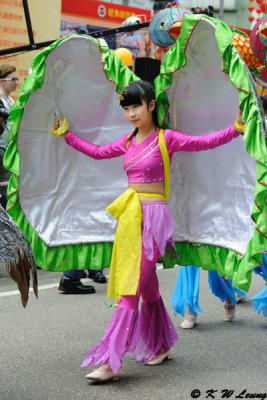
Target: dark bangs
137, 91
132, 94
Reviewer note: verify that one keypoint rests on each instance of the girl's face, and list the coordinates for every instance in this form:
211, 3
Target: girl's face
140, 115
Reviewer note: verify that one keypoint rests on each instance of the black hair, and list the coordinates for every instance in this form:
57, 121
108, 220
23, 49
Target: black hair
264, 103
137, 91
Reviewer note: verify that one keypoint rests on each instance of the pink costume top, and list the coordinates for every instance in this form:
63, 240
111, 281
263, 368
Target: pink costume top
143, 162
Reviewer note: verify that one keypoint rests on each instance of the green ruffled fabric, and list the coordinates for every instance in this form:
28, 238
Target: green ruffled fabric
227, 262
58, 258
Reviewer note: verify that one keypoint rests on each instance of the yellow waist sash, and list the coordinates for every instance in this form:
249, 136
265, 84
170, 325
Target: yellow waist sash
127, 251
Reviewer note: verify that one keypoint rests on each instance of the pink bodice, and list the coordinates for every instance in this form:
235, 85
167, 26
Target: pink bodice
143, 162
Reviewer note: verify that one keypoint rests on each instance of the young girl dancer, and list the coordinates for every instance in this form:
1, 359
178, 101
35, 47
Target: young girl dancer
145, 228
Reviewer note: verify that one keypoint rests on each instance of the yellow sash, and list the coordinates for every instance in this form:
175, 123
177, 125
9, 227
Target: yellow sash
127, 251
166, 163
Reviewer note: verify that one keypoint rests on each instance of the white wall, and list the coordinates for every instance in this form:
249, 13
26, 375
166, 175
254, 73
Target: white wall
228, 4
145, 4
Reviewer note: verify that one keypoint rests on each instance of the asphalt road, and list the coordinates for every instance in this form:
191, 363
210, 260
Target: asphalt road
42, 346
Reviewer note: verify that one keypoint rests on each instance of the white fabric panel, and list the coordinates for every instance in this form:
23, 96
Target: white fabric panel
63, 193
211, 191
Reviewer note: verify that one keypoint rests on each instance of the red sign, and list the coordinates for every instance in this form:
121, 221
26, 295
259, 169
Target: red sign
103, 11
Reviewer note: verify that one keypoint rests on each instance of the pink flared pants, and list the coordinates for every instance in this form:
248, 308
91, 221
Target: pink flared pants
151, 329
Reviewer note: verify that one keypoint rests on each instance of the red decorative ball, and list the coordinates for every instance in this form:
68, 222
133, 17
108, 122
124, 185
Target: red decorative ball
251, 8
251, 18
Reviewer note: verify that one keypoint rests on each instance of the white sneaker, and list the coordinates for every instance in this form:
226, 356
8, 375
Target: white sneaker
229, 313
240, 299
189, 322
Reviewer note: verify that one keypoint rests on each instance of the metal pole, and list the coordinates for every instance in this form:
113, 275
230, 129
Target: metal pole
28, 23
221, 9
98, 34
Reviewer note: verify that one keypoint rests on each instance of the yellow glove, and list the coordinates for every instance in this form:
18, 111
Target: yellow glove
63, 128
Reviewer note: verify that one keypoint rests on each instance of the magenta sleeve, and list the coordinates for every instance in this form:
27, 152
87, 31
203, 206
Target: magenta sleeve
178, 141
111, 150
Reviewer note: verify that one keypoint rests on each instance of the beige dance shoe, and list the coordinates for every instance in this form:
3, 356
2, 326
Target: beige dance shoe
159, 358
229, 312
190, 321
103, 373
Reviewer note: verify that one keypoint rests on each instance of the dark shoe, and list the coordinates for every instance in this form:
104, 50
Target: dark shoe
69, 286
97, 276
84, 274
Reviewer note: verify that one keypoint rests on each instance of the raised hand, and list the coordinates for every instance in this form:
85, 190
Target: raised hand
239, 123
60, 126
239, 116
58, 120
